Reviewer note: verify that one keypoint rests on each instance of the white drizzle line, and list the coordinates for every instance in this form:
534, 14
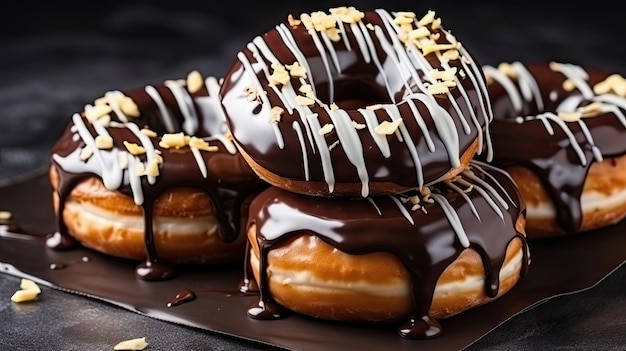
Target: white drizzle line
259, 43
349, 139
112, 98
320, 141
375, 205
320, 49
444, 125
453, 218
420, 122
305, 160
213, 87
288, 39
372, 53
147, 145
394, 113
190, 123
481, 166
507, 84
168, 121
614, 104
549, 116
528, 85
478, 183
381, 141
135, 179
460, 191
403, 209
578, 76
266, 103
111, 177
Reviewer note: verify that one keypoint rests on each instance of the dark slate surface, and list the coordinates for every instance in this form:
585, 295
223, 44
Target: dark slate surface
56, 57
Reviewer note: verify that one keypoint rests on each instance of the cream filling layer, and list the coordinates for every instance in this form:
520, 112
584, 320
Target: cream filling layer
591, 201
307, 280
171, 225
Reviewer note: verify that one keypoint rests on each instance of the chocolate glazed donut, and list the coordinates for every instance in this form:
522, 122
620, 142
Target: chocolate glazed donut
560, 130
129, 155
356, 103
409, 259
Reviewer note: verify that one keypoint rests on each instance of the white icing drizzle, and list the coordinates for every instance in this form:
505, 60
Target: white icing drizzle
112, 99
349, 138
168, 121
375, 205
190, 123
305, 160
320, 141
403, 209
453, 218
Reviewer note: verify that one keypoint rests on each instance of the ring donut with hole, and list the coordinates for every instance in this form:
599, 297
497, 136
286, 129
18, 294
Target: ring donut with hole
351, 103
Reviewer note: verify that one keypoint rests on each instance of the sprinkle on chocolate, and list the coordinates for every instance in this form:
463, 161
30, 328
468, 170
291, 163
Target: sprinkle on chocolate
358, 126
134, 149
148, 132
104, 142
304, 101
292, 21
592, 110
252, 92
195, 82
129, 107
296, 71
570, 116
275, 114
374, 107
347, 14
327, 128
97, 111
388, 128
172, 140
201, 144
86, 153
615, 84
152, 168
279, 76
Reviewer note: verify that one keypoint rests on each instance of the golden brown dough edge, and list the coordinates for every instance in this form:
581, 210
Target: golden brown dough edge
381, 268
347, 189
99, 231
605, 178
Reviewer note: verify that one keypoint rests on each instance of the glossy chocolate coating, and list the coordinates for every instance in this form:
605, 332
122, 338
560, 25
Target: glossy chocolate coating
228, 182
551, 156
426, 243
432, 134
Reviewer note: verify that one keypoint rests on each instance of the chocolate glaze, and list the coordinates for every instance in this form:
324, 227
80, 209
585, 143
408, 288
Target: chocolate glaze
426, 243
526, 142
410, 161
228, 182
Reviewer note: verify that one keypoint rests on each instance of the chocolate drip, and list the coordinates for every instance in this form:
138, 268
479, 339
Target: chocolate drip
228, 182
182, 297
426, 247
552, 158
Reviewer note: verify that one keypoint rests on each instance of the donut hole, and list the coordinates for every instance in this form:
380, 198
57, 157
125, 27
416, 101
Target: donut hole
353, 92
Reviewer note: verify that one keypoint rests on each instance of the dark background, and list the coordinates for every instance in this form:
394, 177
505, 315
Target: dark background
57, 56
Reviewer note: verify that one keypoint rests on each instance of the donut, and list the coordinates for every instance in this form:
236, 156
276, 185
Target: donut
150, 174
351, 103
560, 131
410, 259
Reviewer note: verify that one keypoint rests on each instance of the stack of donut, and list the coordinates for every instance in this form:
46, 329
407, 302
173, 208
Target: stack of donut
150, 174
366, 125
559, 129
